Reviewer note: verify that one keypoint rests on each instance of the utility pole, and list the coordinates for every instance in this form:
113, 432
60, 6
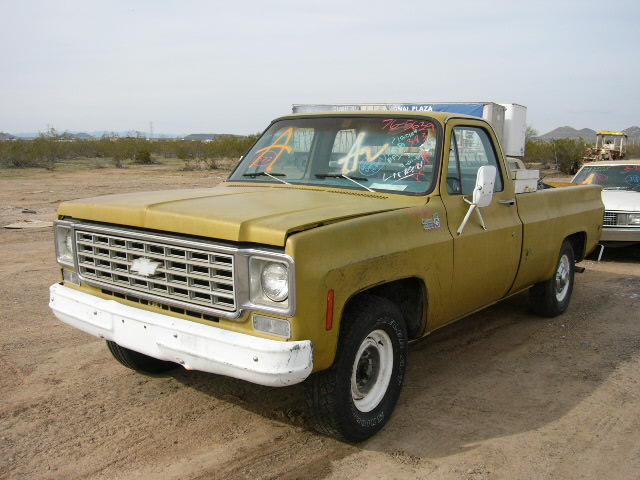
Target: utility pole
150, 130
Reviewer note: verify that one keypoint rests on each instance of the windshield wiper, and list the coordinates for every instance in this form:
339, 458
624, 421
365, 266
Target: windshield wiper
267, 174
342, 175
632, 188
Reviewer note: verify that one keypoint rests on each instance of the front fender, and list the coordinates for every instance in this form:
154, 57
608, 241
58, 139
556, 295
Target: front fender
352, 256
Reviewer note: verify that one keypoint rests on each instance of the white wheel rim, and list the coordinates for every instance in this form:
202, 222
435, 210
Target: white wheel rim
371, 371
563, 275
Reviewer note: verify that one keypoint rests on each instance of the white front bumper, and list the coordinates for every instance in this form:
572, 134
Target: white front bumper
193, 345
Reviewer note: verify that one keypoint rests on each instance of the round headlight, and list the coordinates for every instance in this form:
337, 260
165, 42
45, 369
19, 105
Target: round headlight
275, 281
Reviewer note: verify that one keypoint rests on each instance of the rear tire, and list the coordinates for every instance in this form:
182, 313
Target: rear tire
552, 298
354, 398
138, 361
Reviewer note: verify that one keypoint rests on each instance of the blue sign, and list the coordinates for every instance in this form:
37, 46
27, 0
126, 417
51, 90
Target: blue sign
474, 109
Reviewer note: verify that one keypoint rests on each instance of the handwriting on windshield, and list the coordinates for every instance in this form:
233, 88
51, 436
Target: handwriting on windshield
409, 148
595, 177
405, 124
268, 156
632, 179
350, 161
412, 170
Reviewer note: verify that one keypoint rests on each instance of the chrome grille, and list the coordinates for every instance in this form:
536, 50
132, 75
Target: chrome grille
610, 218
186, 274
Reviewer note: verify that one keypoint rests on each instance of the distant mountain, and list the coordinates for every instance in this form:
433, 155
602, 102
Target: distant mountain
6, 136
75, 136
82, 136
97, 134
633, 134
587, 134
132, 133
101, 133
207, 137
201, 136
569, 132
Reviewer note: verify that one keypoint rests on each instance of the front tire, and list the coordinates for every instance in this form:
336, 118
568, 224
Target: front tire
138, 361
356, 397
552, 298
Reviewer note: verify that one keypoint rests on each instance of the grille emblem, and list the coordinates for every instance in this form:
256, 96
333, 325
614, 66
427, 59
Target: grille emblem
144, 266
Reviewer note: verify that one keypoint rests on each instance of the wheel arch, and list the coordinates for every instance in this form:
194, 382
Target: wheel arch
408, 294
578, 242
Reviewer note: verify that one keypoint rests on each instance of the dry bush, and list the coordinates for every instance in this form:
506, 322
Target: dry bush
563, 153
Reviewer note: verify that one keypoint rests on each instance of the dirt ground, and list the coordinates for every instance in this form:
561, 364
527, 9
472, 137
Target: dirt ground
500, 395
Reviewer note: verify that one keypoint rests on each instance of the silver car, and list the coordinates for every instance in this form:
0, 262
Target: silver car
620, 181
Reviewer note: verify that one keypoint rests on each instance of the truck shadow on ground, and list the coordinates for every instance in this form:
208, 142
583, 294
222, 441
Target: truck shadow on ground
499, 372
626, 254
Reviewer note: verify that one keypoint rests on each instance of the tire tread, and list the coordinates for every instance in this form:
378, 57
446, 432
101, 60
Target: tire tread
325, 412
542, 295
138, 361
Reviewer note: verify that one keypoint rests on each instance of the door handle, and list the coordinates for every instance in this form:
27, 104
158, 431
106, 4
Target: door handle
509, 203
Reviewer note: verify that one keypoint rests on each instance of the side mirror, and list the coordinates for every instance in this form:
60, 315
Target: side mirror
483, 191
482, 194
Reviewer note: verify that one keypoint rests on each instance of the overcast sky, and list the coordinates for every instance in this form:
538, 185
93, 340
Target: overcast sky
231, 66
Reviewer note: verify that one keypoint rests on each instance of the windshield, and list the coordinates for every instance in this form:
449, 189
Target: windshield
367, 153
611, 177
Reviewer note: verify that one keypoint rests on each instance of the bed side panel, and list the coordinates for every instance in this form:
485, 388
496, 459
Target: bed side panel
549, 216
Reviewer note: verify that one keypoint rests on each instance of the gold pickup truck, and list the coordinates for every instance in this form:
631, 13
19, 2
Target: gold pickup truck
338, 239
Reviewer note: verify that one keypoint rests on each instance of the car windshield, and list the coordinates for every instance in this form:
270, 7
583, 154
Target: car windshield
611, 177
396, 154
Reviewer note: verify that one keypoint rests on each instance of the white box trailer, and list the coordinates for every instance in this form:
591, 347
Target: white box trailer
514, 131
509, 120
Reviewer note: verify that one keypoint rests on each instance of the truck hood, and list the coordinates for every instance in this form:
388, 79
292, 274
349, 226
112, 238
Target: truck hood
238, 213
621, 200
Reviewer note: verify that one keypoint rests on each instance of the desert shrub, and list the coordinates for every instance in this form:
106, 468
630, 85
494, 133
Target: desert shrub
48, 149
562, 153
190, 165
42, 152
143, 157
185, 150
17, 154
51, 148
118, 161
569, 153
633, 150
214, 152
537, 151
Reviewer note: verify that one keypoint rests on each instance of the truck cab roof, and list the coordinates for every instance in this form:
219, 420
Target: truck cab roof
441, 117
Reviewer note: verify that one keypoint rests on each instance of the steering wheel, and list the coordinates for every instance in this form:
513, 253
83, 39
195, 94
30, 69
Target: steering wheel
453, 185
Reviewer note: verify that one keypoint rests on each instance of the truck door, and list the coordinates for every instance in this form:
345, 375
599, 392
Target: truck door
485, 261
